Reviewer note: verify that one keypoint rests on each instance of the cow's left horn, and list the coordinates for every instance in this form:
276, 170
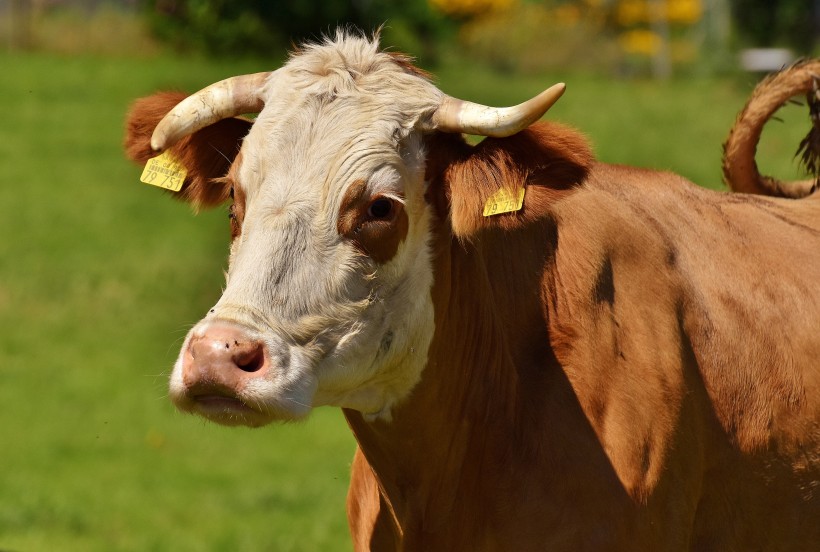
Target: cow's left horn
221, 100
454, 115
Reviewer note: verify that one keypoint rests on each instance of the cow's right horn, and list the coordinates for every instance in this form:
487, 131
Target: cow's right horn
454, 115
221, 100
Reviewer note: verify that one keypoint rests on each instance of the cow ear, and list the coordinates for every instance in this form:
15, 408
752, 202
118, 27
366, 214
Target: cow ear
206, 154
547, 159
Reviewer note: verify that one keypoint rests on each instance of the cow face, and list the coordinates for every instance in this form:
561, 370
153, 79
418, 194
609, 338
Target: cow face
328, 289
327, 300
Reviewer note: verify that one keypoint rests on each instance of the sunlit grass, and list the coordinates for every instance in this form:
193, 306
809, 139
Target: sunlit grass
100, 277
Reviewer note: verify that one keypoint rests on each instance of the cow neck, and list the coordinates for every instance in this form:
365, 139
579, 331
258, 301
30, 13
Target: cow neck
452, 438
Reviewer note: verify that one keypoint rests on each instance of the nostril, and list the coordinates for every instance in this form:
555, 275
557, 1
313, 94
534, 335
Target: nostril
249, 357
224, 353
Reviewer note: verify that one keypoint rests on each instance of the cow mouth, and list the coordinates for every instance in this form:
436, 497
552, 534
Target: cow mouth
222, 406
220, 402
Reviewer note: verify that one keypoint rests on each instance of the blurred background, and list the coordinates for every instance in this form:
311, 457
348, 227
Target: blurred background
101, 276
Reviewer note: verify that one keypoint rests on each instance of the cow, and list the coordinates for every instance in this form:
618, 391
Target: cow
620, 361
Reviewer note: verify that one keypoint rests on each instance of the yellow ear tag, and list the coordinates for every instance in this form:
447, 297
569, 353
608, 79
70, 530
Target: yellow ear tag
504, 201
165, 172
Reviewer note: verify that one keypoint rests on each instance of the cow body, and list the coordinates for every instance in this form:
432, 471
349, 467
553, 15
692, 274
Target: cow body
636, 378
629, 362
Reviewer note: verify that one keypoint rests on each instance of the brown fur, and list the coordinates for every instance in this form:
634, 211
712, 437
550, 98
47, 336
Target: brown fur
236, 211
547, 158
379, 239
207, 154
406, 62
627, 370
370, 531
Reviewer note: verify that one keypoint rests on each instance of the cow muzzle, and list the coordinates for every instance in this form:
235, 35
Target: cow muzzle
225, 373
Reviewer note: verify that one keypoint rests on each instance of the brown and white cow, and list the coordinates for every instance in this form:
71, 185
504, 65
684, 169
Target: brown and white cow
628, 362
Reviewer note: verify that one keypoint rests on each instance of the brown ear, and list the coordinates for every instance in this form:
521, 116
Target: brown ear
207, 154
547, 158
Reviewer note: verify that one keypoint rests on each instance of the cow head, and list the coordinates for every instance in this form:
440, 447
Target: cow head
327, 300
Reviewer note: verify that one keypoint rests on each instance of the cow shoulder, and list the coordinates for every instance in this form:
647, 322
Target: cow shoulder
207, 154
548, 159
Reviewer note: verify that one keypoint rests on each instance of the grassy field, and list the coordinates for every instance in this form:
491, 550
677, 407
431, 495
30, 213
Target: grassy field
100, 276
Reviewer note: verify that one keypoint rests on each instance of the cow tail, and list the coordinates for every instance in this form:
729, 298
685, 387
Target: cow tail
740, 170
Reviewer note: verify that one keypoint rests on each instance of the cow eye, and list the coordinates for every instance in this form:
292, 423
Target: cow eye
380, 209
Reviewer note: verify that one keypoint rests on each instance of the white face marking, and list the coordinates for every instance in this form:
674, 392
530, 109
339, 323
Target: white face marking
338, 327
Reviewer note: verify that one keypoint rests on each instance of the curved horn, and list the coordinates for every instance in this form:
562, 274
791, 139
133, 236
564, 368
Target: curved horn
454, 115
221, 100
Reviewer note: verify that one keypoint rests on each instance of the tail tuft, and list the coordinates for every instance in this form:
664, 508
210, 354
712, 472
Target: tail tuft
809, 149
740, 169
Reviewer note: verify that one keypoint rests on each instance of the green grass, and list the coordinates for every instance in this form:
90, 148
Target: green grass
100, 276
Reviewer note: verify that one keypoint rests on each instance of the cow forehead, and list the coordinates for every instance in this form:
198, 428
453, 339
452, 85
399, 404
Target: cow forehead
333, 115
281, 172
302, 149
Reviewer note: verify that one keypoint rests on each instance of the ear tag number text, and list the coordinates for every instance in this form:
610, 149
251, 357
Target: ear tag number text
165, 172
504, 201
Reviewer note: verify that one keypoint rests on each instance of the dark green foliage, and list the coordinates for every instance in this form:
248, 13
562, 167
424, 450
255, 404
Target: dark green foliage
258, 27
769, 23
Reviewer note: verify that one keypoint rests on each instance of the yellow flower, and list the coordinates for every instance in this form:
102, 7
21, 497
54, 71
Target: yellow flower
567, 14
630, 12
640, 42
470, 7
685, 12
